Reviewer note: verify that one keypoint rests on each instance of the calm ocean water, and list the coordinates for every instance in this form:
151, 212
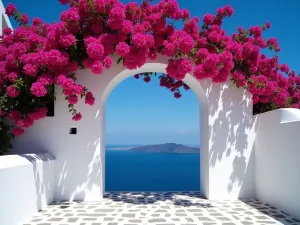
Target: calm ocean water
139, 171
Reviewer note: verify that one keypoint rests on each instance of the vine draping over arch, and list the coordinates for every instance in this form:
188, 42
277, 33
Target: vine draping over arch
35, 57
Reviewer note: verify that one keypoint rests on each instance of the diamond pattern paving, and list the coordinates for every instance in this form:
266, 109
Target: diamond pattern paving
167, 208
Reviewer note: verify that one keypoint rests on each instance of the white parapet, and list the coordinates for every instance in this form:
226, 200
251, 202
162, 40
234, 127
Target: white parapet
26, 186
277, 154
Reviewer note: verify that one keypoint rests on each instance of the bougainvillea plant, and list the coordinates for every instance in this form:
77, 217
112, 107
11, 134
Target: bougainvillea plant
34, 58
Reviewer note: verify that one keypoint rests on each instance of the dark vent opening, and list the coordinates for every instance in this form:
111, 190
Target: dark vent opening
73, 130
50, 105
50, 108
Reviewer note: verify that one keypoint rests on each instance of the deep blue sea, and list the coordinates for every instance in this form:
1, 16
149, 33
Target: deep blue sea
141, 171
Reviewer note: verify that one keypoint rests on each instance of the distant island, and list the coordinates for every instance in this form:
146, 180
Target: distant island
166, 148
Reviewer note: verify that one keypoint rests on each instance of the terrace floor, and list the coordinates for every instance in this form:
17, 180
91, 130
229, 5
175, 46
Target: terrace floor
168, 208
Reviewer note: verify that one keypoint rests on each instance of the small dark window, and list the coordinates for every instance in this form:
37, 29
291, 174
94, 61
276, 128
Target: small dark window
73, 130
50, 108
50, 105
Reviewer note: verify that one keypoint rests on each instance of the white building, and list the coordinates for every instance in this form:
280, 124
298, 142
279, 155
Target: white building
242, 156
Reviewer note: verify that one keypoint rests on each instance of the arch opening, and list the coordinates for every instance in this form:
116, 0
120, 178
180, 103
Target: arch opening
112, 81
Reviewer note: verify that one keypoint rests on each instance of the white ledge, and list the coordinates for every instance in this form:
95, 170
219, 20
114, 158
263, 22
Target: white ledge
8, 161
290, 115
284, 115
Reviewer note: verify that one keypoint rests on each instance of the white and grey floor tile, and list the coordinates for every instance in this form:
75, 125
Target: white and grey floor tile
167, 208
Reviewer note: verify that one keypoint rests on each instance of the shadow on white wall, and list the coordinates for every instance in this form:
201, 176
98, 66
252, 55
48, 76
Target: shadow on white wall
232, 129
43, 177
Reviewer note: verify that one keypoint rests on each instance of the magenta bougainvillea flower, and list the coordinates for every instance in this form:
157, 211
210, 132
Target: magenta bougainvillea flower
35, 57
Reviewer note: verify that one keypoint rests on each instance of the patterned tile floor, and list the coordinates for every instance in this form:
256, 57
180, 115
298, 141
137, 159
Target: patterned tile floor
160, 209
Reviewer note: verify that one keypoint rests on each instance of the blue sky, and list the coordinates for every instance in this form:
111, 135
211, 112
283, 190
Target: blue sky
145, 113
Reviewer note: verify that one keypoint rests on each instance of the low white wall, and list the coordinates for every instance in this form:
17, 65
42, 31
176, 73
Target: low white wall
277, 155
26, 186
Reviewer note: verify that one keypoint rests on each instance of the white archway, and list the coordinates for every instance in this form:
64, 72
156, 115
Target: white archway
227, 137
159, 65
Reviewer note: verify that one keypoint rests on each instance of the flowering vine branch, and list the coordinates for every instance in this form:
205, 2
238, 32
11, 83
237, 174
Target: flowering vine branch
35, 57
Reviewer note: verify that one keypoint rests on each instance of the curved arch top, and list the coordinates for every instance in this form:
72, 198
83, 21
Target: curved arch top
111, 79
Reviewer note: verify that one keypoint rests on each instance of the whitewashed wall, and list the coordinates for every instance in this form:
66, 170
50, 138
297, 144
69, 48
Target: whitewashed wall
277, 150
231, 129
26, 186
227, 137
4, 20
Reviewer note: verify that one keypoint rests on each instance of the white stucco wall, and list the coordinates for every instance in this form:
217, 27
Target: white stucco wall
277, 160
26, 186
4, 20
232, 130
227, 137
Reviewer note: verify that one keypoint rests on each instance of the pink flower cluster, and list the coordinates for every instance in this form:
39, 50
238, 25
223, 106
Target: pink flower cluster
35, 57
25, 120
